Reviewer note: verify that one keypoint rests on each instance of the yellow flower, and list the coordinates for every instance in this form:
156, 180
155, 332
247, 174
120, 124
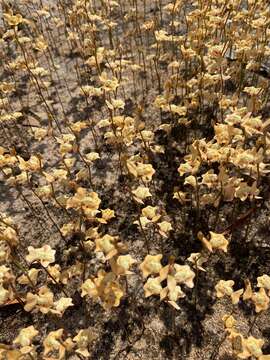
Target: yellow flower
78, 126
39, 133
83, 339
197, 259
243, 191
218, 241
45, 191
88, 90
32, 274
146, 136
68, 229
141, 193
112, 295
142, 222
152, 287
236, 340
53, 342
163, 273
5, 274
10, 236
209, 179
150, 212
33, 164
140, 170
229, 321
4, 295
162, 35
145, 171
188, 167
40, 44
61, 305
251, 347
224, 288
45, 255
164, 228
184, 275
263, 282
43, 301
175, 291
87, 201
89, 288
55, 272
124, 262
107, 215
10, 354
105, 287
252, 91
26, 336
92, 156
107, 244
176, 109
108, 84
261, 300
151, 265
13, 20
190, 180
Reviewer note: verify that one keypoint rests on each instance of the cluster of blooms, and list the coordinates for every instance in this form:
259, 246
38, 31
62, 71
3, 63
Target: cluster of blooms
243, 348
194, 66
259, 298
250, 347
54, 343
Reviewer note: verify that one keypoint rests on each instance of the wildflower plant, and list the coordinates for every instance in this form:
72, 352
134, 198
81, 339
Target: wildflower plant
134, 174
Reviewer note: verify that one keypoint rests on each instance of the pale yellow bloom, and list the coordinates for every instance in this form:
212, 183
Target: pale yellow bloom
263, 282
218, 241
26, 336
152, 287
45, 255
261, 300
151, 265
184, 275
224, 288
